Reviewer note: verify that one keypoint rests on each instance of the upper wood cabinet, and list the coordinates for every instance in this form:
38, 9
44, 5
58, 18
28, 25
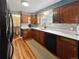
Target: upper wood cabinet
34, 19
31, 18
25, 18
67, 14
56, 15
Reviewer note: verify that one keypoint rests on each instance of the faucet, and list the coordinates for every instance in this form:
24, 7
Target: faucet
44, 25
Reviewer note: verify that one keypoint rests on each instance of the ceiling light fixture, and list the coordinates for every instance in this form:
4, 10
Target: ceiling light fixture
24, 3
46, 13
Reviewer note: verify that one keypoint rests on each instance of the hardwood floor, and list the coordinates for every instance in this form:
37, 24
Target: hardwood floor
21, 49
40, 51
30, 49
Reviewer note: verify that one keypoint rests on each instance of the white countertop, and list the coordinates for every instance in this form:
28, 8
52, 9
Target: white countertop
57, 31
61, 32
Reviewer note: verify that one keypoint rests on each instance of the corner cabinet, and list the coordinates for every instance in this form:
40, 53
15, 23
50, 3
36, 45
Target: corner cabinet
27, 33
66, 48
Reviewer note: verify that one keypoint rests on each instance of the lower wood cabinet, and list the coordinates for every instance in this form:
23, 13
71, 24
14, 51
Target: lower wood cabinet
62, 47
38, 36
59, 47
41, 37
70, 51
35, 34
27, 33
66, 48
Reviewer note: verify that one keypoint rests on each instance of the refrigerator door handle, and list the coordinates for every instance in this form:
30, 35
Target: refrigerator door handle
10, 36
11, 20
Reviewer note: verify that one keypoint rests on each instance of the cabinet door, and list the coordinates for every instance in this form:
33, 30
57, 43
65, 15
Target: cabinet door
59, 47
41, 37
27, 33
36, 35
56, 15
65, 14
70, 51
66, 49
34, 19
61, 15
25, 18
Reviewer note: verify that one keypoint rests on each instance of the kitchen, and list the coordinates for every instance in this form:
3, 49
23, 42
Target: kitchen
45, 29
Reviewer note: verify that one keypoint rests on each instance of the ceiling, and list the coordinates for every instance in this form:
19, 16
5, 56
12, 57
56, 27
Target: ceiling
34, 5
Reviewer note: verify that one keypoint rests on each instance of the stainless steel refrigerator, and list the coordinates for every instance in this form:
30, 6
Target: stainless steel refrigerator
6, 31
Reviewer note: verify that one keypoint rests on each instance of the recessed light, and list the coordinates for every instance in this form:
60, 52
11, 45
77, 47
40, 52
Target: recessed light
46, 12
25, 4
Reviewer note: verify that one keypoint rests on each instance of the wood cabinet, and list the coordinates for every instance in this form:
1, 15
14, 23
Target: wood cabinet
35, 34
59, 47
41, 37
34, 19
70, 51
67, 14
25, 18
38, 36
63, 47
30, 18
27, 33
66, 48
46, 39
56, 15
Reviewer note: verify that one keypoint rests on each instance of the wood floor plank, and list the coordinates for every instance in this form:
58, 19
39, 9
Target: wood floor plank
22, 50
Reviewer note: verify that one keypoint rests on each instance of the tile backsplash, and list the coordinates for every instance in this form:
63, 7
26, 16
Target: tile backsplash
64, 26
70, 27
